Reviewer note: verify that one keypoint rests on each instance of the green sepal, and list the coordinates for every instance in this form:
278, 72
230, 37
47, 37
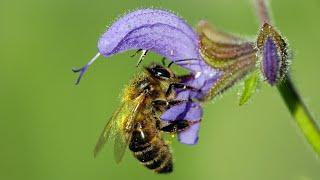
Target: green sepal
250, 87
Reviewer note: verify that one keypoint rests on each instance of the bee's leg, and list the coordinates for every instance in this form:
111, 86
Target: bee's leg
177, 126
185, 76
161, 105
179, 86
133, 55
170, 64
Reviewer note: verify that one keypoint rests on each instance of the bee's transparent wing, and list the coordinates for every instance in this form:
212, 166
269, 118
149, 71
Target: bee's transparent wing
122, 138
121, 142
108, 131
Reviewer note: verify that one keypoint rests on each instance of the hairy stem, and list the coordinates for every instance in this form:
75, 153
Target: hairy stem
290, 95
300, 113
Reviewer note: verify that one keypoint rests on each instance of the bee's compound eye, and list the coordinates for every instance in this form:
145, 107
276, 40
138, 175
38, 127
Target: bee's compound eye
160, 72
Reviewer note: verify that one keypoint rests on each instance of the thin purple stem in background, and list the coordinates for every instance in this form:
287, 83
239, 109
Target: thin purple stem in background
263, 12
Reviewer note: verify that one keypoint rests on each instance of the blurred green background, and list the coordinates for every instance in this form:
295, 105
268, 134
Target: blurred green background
49, 126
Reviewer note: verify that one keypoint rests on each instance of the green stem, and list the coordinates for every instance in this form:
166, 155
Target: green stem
300, 113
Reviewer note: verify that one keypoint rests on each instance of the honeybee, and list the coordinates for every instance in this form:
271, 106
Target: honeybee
136, 124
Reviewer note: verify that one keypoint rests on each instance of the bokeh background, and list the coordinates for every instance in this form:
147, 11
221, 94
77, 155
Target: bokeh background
49, 126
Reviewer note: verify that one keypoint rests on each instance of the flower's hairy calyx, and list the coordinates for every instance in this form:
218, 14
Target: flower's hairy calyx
234, 56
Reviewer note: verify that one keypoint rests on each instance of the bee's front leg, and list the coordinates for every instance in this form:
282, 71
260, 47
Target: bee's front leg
180, 86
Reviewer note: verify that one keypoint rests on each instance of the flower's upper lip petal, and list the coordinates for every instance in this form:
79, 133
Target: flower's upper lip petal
155, 30
190, 136
141, 17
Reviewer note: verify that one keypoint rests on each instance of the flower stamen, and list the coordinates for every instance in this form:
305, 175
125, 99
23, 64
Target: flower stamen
83, 69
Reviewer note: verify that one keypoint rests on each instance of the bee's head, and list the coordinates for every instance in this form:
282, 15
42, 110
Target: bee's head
159, 72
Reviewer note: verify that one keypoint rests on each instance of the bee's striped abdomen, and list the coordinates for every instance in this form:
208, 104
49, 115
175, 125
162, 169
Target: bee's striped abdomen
151, 150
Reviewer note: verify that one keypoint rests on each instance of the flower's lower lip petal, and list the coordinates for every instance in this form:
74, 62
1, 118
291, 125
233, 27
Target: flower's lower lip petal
190, 136
183, 95
190, 111
193, 112
155, 30
173, 113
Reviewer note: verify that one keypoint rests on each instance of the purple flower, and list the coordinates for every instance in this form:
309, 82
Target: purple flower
216, 60
171, 37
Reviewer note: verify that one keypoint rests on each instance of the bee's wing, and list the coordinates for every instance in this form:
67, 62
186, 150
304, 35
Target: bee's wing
122, 138
108, 131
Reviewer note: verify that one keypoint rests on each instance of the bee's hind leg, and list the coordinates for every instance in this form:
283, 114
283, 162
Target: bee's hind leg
176, 126
173, 126
162, 105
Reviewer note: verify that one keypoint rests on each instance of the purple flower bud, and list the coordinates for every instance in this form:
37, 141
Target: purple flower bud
270, 63
273, 51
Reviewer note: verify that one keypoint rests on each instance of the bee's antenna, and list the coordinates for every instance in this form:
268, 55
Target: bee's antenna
83, 69
181, 60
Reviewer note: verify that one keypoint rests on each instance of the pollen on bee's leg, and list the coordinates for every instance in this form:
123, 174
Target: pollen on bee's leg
83, 69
